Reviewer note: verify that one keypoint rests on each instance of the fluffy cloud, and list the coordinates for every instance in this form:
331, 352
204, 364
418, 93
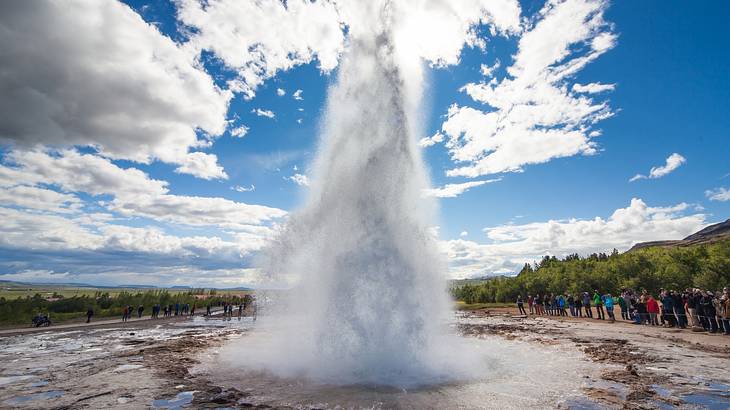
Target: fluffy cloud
432, 140
298, 95
258, 39
280, 92
202, 165
93, 73
240, 131
263, 113
721, 194
72, 171
40, 199
299, 179
454, 190
533, 114
40, 247
239, 188
513, 245
593, 88
134, 193
674, 161
45, 230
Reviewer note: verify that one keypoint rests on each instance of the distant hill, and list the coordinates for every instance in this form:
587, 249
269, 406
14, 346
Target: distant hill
710, 234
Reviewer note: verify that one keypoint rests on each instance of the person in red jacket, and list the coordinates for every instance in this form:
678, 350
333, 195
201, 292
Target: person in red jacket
652, 307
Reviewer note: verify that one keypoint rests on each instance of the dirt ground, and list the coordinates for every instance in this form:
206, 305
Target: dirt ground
646, 367
148, 364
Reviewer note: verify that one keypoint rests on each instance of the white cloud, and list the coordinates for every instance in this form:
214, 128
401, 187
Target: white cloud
202, 165
721, 194
593, 88
24, 230
93, 73
259, 39
298, 95
432, 140
487, 71
464, 233
280, 92
239, 132
533, 116
514, 245
134, 193
454, 190
674, 161
240, 188
263, 113
299, 179
40, 199
72, 171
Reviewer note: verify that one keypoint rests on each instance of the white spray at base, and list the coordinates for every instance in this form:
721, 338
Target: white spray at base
371, 304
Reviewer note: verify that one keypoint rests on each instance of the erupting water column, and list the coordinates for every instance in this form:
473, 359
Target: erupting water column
371, 304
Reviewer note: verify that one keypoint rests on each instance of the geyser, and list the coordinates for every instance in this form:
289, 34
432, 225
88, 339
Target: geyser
370, 305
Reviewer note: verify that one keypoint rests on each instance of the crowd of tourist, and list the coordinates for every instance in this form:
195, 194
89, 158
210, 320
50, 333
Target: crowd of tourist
700, 310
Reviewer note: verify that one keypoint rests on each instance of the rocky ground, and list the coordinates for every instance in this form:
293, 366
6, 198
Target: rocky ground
149, 364
140, 366
644, 367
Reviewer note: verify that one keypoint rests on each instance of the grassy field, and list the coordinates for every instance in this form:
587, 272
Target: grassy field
20, 302
10, 290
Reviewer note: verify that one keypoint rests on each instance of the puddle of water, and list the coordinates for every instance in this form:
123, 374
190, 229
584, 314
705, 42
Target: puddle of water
19, 400
181, 400
40, 383
716, 397
661, 391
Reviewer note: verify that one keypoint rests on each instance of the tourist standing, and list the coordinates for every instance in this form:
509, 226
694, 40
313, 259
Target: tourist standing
692, 309
578, 306
679, 309
599, 305
668, 308
521, 305
708, 307
571, 305
89, 314
608, 302
652, 308
725, 299
587, 305
537, 301
623, 305
530, 303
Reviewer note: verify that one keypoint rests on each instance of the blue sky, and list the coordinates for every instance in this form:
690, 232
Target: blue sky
156, 99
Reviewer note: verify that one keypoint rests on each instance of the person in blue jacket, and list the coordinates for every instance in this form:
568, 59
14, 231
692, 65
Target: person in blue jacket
608, 303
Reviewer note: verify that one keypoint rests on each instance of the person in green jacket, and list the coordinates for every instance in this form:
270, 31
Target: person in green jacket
598, 304
624, 307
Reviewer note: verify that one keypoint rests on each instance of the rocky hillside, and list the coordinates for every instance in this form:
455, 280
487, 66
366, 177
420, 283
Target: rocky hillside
710, 234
